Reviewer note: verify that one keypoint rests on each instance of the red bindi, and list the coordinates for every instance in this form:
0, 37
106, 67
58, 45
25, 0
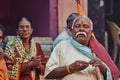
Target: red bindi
81, 22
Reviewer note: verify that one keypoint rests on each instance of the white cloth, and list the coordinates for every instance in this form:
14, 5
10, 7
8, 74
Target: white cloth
64, 54
64, 35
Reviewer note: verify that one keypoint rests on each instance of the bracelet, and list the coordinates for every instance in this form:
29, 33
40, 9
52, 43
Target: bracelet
68, 69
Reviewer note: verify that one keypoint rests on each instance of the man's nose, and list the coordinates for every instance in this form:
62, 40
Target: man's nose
81, 28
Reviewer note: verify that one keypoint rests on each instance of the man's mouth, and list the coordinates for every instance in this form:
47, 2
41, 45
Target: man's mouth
81, 34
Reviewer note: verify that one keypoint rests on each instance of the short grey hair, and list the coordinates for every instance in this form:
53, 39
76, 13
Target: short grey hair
83, 17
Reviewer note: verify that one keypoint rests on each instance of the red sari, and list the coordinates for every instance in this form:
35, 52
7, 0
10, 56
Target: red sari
25, 70
18, 66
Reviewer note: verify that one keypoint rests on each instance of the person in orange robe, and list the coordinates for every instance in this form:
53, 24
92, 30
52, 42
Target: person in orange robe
3, 69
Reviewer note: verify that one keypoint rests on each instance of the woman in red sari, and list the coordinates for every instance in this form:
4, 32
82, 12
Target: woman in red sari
24, 58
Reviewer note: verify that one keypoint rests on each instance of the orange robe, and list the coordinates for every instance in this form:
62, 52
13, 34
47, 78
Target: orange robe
3, 70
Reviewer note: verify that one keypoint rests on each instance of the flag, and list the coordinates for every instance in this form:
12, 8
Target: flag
79, 7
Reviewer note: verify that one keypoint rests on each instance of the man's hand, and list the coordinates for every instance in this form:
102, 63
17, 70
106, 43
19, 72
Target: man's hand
78, 65
95, 62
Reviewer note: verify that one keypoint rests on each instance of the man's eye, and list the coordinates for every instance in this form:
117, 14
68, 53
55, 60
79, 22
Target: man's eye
77, 26
86, 26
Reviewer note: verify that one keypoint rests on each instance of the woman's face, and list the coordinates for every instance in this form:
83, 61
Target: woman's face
82, 31
24, 29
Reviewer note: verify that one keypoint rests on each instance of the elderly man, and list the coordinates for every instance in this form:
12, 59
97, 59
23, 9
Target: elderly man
73, 59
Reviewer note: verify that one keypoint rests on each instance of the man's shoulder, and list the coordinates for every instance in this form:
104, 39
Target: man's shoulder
63, 42
62, 36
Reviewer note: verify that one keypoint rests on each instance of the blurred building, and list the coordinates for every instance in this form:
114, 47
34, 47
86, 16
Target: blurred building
48, 17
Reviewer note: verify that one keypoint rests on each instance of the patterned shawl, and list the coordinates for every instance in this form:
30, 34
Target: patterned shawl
16, 46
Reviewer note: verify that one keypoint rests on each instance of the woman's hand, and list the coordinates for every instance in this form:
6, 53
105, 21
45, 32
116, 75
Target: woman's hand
35, 62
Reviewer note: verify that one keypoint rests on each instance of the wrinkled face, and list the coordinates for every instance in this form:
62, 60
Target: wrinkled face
1, 36
24, 29
82, 31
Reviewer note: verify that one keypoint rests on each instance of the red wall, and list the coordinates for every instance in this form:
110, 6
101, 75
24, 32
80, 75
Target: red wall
38, 11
